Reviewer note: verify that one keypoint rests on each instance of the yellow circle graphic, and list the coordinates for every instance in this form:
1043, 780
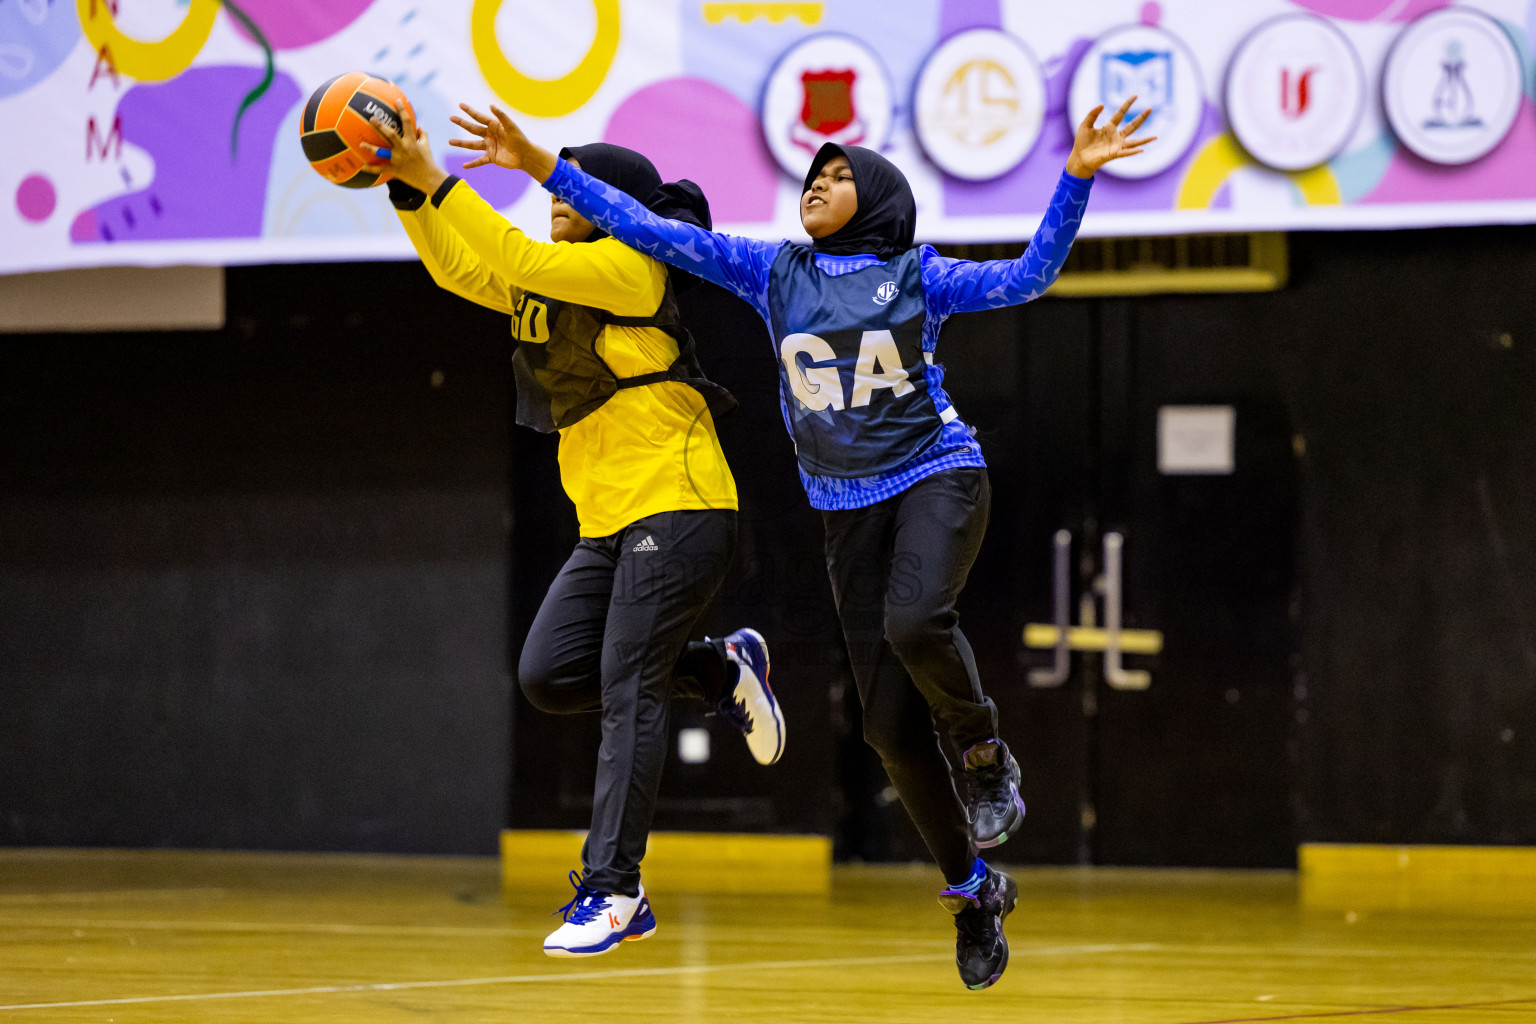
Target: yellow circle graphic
149, 61
1222, 156
542, 97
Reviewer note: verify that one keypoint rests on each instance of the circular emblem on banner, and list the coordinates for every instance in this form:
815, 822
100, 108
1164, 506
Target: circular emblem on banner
1156, 67
828, 88
979, 104
1295, 92
1453, 86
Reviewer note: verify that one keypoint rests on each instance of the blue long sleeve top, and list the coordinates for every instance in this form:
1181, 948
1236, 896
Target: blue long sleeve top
761, 273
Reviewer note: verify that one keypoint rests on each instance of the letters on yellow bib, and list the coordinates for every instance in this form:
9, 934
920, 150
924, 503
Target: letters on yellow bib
819, 388
542, 97
530, 320
149, 61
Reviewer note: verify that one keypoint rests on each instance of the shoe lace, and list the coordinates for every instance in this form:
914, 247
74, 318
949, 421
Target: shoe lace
584, 906
972, 924
989, 784
734, 711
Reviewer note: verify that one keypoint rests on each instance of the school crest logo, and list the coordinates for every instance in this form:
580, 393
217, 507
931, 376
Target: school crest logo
886, 293
1295, 92
828, 113
1453, 86
979, 104
1159, 69
828, 88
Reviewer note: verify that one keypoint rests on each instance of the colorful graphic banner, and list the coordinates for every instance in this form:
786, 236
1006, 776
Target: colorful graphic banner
167, 131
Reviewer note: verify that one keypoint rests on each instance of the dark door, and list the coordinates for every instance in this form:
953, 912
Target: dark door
1178, 757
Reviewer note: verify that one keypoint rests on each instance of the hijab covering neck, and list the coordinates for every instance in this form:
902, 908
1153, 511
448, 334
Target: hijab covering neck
632, 173
886, 219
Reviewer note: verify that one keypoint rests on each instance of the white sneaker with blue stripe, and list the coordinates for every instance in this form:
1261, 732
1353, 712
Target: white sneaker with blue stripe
596, 922
750, 704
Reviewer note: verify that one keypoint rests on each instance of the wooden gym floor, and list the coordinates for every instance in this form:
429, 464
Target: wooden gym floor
209, 937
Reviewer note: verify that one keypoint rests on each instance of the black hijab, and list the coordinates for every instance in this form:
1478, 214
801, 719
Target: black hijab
632, 173
884, 223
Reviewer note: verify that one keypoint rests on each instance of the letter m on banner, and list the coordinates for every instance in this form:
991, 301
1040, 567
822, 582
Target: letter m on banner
110, 146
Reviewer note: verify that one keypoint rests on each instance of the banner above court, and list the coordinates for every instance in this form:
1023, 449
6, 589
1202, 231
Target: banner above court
157, 131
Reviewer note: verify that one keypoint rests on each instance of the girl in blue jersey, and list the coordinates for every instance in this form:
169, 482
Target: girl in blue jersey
901, 483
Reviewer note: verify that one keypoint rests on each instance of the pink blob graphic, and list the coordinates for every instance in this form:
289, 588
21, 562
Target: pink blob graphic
692, 128
85, 228
36, 199
1370, 10
1503, 174
289, 24
1151, 13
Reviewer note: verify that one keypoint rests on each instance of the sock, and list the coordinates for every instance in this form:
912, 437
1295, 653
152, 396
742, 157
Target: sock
972, 886
705, 672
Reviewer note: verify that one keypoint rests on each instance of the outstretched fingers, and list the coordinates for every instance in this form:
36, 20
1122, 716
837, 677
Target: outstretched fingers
1091, 120
472, 112
1124, 109
506, 122
474, 128
1140, 120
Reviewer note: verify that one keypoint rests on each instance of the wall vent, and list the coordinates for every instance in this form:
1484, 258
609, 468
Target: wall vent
1256, 262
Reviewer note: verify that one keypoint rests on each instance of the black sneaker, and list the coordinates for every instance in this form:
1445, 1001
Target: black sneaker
992, 802
981, 950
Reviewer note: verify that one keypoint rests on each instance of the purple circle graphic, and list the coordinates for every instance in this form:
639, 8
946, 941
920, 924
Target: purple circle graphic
36, 199
1372, 10
289, 24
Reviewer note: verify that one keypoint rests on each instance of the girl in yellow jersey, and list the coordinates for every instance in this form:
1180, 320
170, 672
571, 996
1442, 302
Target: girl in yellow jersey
602, 358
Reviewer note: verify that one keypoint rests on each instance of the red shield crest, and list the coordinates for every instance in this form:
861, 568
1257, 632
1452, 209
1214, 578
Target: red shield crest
828, 107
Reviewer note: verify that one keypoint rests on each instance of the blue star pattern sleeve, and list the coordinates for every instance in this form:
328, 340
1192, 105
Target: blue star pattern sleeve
960, 286
738, 264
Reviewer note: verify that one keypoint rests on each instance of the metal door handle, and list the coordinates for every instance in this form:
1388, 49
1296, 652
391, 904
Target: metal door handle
1115, 675
1061, 611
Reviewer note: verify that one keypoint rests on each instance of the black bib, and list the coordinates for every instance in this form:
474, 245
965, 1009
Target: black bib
561, 380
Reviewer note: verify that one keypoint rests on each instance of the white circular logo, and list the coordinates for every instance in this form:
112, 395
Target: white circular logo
1295, 92
1453, 86
885, 293
979, 104
828, 88
1156, 67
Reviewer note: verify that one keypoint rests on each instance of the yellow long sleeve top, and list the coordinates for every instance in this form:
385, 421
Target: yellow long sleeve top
647, 449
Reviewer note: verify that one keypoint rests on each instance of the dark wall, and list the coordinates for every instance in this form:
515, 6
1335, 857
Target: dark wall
1407, 363
1399, 369
255, 586
253, 582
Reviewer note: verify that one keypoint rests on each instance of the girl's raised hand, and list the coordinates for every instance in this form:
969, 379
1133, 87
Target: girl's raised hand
1097, 145
501, 142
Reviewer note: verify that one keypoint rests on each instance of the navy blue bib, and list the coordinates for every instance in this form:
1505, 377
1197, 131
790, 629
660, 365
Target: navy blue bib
851, 367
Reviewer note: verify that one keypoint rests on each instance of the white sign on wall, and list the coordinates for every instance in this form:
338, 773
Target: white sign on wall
1196, 440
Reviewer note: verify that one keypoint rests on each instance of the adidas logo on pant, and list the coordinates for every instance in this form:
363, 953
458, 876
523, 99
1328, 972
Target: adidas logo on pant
649, 544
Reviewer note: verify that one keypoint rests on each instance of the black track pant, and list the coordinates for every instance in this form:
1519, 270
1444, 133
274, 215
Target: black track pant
612, 635
897, 568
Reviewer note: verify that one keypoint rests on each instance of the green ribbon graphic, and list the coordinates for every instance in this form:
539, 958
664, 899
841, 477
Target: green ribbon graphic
249, 24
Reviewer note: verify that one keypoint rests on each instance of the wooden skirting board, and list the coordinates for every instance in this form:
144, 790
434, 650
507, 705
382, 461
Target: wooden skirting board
683, 861
1495, 880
